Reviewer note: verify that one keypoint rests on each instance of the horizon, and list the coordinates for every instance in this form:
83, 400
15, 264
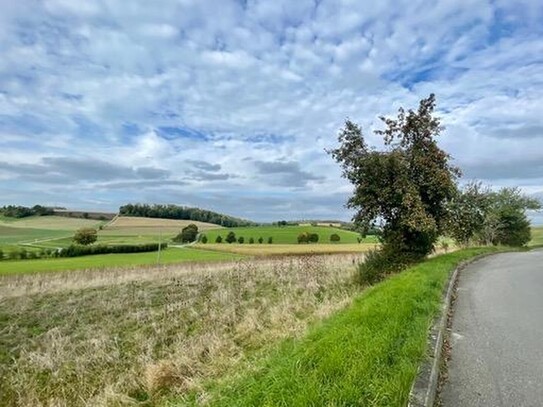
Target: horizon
231, 108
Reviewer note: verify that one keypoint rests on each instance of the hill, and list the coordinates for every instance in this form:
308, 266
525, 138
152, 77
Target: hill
136, 225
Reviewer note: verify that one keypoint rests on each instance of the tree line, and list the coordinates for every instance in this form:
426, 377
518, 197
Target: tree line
182, 213
18, 211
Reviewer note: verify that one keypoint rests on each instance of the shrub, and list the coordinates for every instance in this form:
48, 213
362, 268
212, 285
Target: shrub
188, 234
1, 255
85, 236
270, 240
75, 250
23, 254
204, 239
241, 240
31, 255
334, 237
359, 239
303, 237
260, 240
313, 238
13, 254
380, 262
251, 240
231, 237
218, 239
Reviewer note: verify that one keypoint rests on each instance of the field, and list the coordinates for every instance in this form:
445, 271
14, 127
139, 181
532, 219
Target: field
50, 223
140, 337
168, 256
287, 249
537, 236
128, 225
287, 234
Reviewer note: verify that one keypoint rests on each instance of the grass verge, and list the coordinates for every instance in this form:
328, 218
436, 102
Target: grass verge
365, 355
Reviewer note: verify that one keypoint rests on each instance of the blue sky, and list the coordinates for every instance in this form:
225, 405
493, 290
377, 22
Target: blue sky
229, 105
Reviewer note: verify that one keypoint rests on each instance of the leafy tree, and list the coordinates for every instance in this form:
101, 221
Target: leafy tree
260, 240
334, 237
204, 239
188, 234
230, 237
270, 240
303, 237
241, 240
405, 186
218, 239
85, 236
313, 238
251, 240
467, 212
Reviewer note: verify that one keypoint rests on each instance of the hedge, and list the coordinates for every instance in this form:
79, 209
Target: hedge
79, 250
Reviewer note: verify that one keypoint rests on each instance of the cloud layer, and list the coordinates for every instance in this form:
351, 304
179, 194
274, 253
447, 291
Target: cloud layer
231, 106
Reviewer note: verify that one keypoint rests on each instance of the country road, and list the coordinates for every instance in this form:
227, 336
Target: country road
497, 334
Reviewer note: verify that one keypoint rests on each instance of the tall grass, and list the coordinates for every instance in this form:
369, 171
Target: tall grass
122, 337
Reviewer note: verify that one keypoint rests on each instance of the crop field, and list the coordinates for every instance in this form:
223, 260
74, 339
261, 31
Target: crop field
537, 236
168, 256
50, 223
288, 234
142, 337
129, 225
287, 249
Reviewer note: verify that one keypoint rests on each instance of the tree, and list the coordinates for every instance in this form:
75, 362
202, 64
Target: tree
1, 255
303, 237
204, 239
270, 240
218, 239
251, 240
241, 240
85, 236
467, 212
188, 234
406, 186
334, 237
230, 237
260, 240
313, 238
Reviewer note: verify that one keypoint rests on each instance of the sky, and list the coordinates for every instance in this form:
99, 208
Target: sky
230, 105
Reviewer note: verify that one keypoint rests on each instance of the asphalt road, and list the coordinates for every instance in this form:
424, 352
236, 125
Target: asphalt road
497, 334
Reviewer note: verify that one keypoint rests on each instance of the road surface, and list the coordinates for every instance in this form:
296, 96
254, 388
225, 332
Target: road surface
497, 334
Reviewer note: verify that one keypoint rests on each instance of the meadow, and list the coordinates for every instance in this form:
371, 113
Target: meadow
287, 249
537, 236
288, 234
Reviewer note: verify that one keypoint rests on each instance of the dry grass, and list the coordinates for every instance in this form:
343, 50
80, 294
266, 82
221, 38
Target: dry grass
134, 337
133, 225
288, 249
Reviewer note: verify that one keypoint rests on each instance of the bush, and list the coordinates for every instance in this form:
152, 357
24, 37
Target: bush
85, 236
334, 237
378, 263
230, 237
188, 234
218, 239
303, 238
203, 239
313, 238
270, 240
1, 255
251, 240
23, 254
13, 254
260, 240
241, 240
75, 250
359, 239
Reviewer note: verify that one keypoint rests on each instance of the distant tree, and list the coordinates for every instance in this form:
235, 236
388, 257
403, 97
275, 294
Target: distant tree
282, 223
313, 238
204, 239
85, 215
270, 240
230, 237
334, 237
14, 254
188, 234
406, 186
1, 255
23, 254
303, 237
359, 239
260, 240
241, 240
251, 240
218, 239
85, 236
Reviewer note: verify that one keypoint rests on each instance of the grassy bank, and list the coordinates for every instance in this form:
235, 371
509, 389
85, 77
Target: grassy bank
168, 256
366, 355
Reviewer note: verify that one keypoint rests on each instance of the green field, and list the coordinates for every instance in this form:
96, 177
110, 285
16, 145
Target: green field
168, 256
537, 236
287, 234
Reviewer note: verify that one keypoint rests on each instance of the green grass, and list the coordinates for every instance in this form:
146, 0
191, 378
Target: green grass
365, 355
13, 235
537, 236
105, 239
168, 256
287, 234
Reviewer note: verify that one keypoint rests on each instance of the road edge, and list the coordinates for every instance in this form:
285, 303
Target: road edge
424, 388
